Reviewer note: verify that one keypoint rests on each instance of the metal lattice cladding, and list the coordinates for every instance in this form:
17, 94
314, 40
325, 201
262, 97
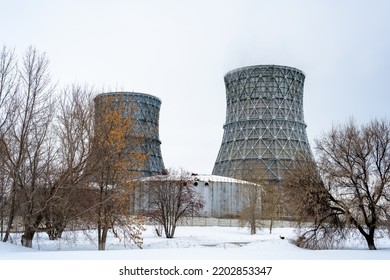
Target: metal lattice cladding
144, 110
264, 126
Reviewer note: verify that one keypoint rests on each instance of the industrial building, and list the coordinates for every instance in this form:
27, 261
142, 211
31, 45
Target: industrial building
223, 197
265, 129
264, 133
144, 110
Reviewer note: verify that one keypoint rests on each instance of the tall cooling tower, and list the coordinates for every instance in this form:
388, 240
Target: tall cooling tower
264, 130
144, 110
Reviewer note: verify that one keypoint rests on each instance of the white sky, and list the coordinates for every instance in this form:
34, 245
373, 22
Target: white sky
179, 51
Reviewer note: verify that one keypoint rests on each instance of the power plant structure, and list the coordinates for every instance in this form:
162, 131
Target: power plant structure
264, 130
144, 111
264, 133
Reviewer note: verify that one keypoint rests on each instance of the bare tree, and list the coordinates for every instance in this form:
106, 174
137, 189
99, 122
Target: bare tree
8, 86
251, 212
273, 206
352, 192
171, 198
26, 148
70, 176
261, 199
308, 202
250, 197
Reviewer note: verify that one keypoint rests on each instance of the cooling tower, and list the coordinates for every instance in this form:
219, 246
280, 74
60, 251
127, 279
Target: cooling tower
144, 110
265, 129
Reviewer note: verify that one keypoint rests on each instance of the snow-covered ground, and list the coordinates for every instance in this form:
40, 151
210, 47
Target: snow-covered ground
207, 248
192, 243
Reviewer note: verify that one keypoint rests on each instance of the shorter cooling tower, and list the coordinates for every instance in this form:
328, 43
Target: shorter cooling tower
144, 110
264, 130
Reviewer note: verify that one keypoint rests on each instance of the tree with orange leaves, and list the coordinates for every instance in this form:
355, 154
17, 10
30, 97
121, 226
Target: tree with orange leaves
116, 163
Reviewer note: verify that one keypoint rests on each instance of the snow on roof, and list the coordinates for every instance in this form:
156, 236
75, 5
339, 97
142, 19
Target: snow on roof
216, 178
199, 177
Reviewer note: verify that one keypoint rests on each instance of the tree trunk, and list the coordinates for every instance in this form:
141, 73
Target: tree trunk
60, 231
9, 226
253, 228
27, 237
370, 240
271, 224
253, 225
102, 236
371, 244
56, 232
369, 237
11, 217
170, 232
29, 232
1, 226
51, 233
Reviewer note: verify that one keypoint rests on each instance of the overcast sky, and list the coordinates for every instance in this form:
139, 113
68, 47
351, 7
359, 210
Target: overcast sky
179, 51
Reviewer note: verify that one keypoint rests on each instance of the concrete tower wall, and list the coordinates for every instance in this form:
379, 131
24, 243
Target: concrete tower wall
265, 128
144, 110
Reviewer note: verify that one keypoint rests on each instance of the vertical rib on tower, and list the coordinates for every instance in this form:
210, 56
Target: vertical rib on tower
265, 128
144, 110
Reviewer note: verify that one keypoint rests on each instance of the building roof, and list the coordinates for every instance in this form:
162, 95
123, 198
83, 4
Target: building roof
199, 177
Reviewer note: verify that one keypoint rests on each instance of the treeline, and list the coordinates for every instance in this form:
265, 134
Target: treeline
56, 167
